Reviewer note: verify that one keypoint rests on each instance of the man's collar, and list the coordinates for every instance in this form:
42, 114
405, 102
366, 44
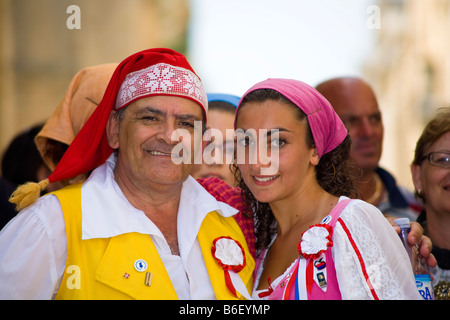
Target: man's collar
106, 212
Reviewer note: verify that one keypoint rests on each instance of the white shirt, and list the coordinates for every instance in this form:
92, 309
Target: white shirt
33, 247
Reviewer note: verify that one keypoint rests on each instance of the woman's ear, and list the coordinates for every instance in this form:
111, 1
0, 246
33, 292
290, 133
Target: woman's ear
112, 130
416, 172
314, 157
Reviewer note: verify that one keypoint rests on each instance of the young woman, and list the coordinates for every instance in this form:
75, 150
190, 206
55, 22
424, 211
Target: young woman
312, 241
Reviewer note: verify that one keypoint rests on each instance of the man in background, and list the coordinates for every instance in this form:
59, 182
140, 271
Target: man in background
355, 102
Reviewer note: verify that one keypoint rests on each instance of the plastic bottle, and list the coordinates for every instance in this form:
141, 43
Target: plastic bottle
420, 269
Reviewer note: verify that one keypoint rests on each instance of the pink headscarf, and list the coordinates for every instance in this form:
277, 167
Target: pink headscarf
327, 128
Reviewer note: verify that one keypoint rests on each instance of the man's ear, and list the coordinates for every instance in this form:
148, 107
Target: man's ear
112, 130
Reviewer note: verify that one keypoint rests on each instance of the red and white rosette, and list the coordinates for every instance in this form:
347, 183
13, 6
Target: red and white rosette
315, 241
230, 255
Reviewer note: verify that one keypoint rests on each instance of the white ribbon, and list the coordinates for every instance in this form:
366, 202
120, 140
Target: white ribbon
301, 278
238, 284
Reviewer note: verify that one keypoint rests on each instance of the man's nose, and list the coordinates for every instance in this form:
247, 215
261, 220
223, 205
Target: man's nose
366, 127
166, 132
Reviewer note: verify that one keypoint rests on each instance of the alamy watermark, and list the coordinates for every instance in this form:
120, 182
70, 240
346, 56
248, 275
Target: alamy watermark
373, 21
252, 147
74, 279
74, 20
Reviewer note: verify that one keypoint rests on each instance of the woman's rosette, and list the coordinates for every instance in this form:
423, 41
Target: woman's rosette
315, 241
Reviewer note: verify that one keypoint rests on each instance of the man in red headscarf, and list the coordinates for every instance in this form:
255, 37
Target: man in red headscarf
139, 226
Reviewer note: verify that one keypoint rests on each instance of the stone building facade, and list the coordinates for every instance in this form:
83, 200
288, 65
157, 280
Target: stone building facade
42, 48
410, 71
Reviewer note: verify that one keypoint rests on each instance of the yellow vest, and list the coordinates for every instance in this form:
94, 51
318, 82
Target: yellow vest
103, 268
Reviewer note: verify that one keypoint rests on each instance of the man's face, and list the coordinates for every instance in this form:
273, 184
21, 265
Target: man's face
358, 108
143, 138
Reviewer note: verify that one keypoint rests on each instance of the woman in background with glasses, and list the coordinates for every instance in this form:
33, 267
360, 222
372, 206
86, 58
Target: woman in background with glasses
431, 176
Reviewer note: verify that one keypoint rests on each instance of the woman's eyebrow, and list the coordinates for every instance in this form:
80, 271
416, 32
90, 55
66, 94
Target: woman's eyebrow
275, 130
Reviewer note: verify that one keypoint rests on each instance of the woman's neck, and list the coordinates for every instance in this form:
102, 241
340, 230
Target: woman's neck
306, 207
438, 228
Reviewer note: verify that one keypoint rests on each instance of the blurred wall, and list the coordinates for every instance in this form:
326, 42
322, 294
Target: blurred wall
39, 54
410, 72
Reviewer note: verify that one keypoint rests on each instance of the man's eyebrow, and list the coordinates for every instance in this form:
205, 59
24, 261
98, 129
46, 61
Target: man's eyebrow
149, 110
377, 113
186, 116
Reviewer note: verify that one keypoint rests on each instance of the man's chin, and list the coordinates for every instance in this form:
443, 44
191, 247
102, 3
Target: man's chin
367, 164
169, 174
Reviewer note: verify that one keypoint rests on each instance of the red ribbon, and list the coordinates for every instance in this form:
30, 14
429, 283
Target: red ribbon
269, 291
309, 279
229, 283
290, 283
309, 275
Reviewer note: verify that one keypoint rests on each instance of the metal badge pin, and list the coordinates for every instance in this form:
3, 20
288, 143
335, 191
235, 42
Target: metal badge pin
148, 279
140, 265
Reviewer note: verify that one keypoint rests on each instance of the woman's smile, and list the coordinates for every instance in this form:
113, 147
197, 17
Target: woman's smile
264, 180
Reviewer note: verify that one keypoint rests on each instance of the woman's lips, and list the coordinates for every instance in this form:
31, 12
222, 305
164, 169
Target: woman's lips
264, 180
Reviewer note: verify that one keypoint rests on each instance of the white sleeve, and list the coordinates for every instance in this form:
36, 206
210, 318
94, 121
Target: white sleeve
33, 249
369, 257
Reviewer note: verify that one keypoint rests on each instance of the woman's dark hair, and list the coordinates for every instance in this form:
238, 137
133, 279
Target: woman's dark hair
21, 160
335, 172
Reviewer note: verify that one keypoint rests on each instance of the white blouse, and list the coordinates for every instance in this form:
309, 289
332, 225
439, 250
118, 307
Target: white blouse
385, 259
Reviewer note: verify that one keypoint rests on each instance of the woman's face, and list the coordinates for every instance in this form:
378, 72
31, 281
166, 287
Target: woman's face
294, 162
222, 122
434, 181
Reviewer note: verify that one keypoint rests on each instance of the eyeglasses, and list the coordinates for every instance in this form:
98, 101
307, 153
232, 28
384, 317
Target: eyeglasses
438, 159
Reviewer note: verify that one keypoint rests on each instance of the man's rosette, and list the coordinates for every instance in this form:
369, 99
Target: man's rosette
230, 255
